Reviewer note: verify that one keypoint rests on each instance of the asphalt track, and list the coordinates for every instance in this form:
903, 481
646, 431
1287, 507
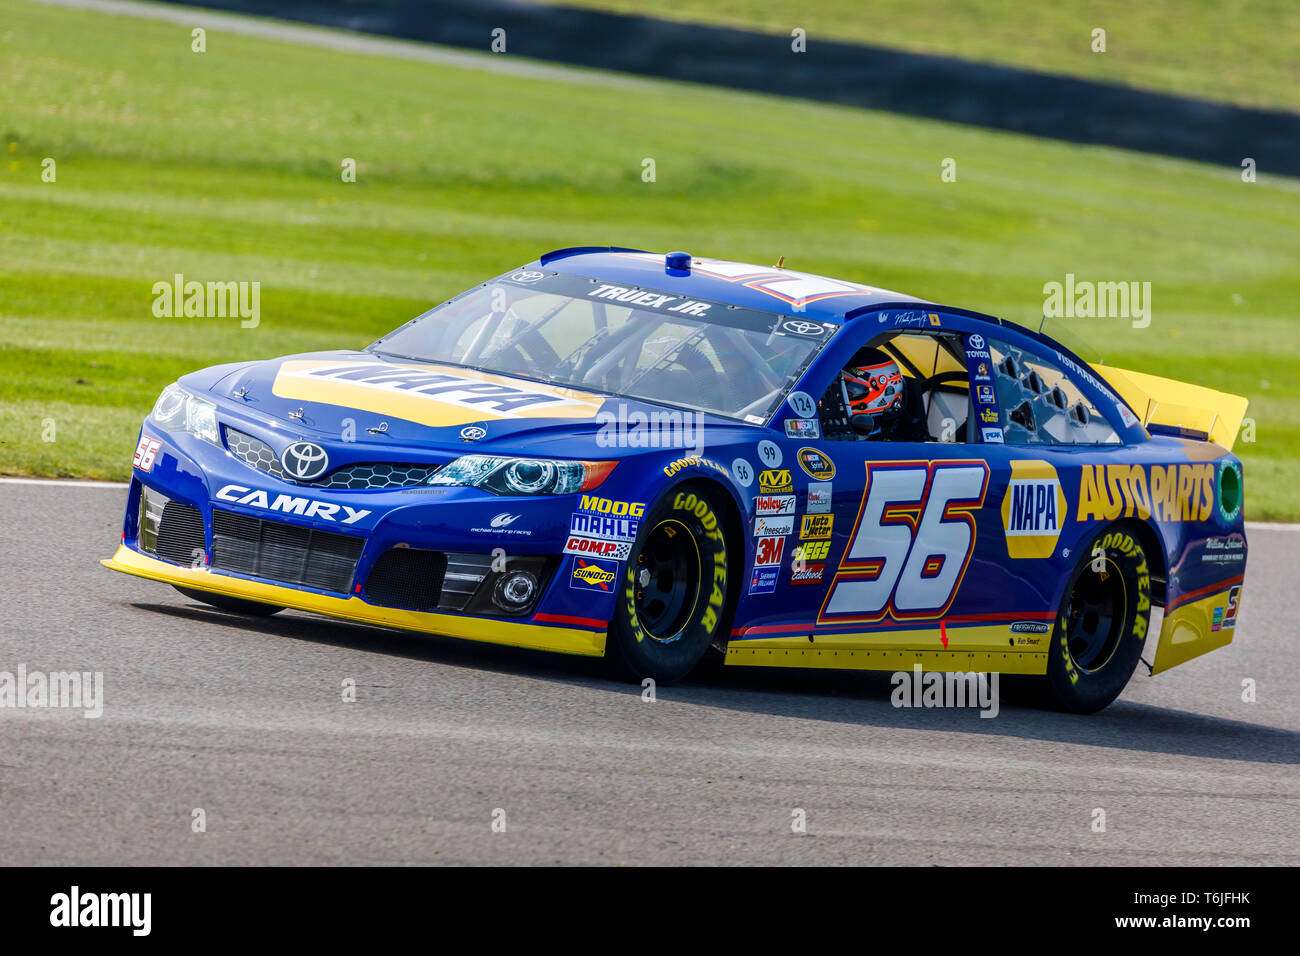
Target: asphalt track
245, 720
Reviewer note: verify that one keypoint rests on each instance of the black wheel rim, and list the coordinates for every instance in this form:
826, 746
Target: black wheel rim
1094, 618
666, 579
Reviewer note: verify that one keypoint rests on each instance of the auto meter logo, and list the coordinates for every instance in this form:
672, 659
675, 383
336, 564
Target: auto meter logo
815, 464
304, 461
589, 574
1033, 510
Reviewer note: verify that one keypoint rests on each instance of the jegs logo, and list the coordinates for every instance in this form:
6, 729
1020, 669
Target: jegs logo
912, 542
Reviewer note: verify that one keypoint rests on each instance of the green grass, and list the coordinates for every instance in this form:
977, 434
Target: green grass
1240, 51
225, 166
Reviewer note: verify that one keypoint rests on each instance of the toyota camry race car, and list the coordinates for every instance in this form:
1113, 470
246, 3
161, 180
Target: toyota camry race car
659, 458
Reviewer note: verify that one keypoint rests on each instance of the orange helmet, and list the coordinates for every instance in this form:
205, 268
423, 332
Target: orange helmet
873, 386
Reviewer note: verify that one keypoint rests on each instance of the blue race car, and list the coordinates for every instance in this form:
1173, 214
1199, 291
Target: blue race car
660, 458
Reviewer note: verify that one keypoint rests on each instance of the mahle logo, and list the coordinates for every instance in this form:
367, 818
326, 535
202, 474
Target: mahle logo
1033, 510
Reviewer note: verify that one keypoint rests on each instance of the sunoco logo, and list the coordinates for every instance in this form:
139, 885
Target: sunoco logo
1032, 510
591, 575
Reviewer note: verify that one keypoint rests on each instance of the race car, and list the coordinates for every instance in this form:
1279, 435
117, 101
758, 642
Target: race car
660, 459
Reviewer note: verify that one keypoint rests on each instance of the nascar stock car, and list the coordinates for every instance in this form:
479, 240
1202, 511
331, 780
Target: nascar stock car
662, 458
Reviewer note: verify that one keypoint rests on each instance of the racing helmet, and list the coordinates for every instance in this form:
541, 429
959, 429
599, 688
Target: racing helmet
873, 389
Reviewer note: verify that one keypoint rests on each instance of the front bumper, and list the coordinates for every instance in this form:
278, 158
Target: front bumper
537, 636
412, 557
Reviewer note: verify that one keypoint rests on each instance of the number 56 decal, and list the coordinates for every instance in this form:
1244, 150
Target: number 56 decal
911, 543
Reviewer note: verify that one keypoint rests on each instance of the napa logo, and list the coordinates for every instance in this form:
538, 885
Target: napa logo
1033, 510
592, 575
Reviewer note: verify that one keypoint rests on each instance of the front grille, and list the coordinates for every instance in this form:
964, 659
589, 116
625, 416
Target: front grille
426, 580
403, 577
255, 452
376, 475
180, 534
171, 530
284, 552
367, 476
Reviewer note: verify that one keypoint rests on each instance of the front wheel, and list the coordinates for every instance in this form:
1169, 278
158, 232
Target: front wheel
673, 600
1102, 625
233, 605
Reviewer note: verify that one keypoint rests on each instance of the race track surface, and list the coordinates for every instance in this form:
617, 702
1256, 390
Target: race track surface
244, 719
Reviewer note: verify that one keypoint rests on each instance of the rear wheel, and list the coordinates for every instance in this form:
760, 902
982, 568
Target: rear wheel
233, 605
672, 602
1102, 625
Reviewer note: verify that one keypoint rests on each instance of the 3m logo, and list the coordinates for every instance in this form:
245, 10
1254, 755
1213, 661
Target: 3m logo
768, 551
1033, 510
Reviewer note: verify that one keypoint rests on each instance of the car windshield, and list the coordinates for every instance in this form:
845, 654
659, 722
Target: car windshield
618, 339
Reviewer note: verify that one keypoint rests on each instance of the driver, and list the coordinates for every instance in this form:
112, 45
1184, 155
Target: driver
883, 403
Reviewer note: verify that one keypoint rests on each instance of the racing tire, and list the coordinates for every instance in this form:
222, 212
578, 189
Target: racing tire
233, 605
673, 600
1101, 627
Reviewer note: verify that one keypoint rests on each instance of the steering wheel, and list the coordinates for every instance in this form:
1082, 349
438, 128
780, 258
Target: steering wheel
925, 386
532, 353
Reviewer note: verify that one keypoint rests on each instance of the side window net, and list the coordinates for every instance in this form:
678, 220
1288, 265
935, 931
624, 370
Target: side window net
1041, 406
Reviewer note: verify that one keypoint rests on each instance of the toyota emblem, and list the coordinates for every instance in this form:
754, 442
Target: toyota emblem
527, 275
304, 461
798, 327
472, 433
977, 341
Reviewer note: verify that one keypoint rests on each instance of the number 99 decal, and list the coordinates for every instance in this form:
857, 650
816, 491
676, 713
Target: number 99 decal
911, 544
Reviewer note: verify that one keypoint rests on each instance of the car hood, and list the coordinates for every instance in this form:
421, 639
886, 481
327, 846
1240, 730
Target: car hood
328, 395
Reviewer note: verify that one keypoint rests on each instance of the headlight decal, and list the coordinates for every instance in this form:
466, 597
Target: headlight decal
523, 477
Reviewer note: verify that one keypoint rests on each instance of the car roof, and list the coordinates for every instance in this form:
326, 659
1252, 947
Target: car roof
766, 288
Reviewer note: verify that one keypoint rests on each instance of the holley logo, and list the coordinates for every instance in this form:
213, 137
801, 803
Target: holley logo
1033, 510
592, 575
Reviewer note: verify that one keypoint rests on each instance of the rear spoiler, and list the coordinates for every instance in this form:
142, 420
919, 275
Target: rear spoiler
1177, 408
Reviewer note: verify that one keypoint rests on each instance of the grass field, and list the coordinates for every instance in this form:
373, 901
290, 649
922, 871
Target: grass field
225, 166
1240, 51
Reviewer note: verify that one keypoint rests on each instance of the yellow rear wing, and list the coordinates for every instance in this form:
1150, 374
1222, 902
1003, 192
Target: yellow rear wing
1163, 401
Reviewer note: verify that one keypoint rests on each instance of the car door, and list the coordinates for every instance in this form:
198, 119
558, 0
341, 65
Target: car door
906, 511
